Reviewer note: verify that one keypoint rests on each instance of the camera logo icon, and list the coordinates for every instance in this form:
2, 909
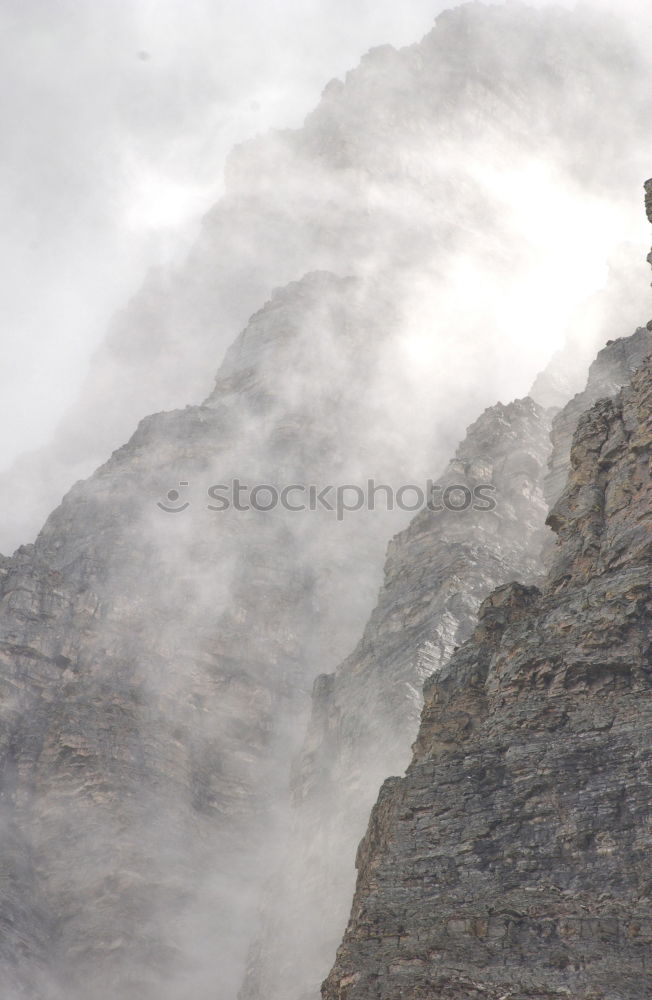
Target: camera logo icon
175, 504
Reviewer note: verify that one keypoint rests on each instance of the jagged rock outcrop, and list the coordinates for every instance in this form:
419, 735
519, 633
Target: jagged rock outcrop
512, 859
648, 210
612, 369
423, 167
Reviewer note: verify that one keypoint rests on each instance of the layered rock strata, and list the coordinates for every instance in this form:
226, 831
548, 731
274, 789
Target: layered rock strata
511, 860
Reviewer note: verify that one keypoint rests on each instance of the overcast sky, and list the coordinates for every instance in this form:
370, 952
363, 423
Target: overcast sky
116, 119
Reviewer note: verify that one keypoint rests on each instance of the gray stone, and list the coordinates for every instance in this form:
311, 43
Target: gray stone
512, 859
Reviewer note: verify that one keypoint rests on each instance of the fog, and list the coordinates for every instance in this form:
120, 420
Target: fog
116, 120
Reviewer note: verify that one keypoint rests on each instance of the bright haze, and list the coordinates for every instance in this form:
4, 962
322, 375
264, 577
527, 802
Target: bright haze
116, 121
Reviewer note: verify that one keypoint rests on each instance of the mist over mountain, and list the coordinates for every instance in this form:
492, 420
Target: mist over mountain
407, 290
472, 159
116, 122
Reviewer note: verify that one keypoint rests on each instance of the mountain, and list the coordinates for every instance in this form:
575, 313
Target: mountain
156, 663
160, 637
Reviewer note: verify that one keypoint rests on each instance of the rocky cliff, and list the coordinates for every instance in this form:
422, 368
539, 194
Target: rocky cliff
510, 861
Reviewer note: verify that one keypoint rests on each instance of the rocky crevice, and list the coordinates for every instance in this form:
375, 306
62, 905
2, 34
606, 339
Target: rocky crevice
365, 716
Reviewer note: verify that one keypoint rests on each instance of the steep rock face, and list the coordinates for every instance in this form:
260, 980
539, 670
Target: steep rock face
365, 715
423, 162
155, 667
512, 858
612, 369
